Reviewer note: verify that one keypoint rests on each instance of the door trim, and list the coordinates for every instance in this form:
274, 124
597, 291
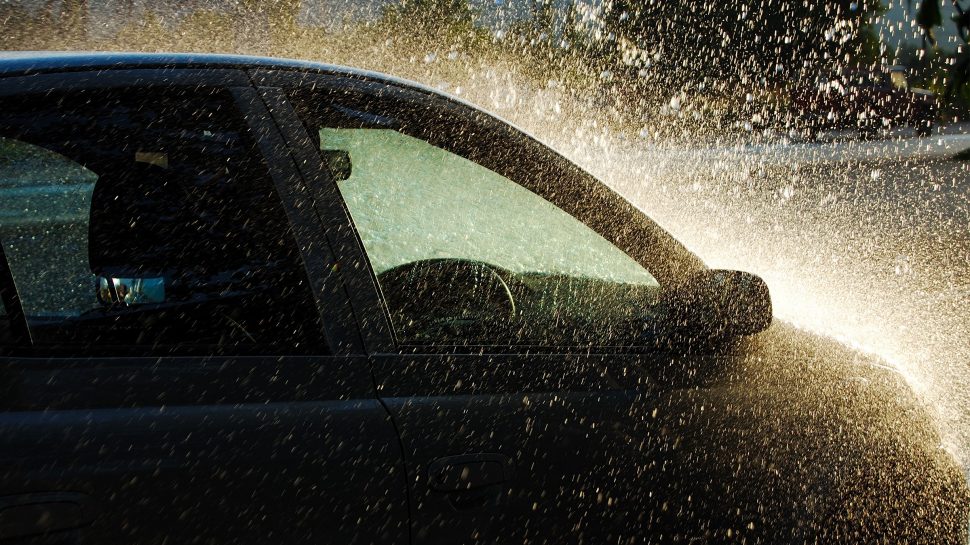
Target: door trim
351, 263
309, 231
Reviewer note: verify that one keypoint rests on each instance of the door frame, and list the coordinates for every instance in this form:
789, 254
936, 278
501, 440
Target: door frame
365, 293
313, 237
421, 387
351, 261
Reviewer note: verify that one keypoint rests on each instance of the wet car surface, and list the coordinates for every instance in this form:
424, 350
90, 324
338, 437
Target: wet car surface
295, 302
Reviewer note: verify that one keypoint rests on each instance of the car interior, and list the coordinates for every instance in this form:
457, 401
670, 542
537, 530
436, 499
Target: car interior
186, 242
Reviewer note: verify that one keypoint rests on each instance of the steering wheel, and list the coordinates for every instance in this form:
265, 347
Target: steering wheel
432, 298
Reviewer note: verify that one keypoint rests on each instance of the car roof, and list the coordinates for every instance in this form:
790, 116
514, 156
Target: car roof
29, 62
16, 63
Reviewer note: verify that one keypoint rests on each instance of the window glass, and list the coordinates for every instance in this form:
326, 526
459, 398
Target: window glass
434, 204
133, 220
464, 255
43, 224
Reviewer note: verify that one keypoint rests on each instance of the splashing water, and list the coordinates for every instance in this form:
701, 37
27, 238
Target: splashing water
874, 271
868, 242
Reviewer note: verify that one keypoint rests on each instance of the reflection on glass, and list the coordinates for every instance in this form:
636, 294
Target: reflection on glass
899, 79
131, 291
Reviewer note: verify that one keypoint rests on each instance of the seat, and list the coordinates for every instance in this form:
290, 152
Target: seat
137, 223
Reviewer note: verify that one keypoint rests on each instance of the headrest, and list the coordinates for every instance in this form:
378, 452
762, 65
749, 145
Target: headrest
135, 216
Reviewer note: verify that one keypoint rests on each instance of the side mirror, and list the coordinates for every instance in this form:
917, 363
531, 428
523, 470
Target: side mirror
716, 304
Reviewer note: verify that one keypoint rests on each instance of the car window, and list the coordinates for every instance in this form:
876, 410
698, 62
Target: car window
43, 216
147, 219
434, 204
466, 255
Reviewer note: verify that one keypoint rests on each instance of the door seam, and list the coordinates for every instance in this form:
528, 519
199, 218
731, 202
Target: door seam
404, 460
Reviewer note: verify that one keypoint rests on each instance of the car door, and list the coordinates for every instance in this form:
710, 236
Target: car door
541, 432
169, 371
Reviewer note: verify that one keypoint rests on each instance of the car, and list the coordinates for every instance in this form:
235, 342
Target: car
280, 301
864, 99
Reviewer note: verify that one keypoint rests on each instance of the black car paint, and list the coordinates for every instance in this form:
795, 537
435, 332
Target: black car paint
568, 445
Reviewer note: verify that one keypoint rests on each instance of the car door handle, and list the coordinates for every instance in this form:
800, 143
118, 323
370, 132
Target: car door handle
41, 513
468, 472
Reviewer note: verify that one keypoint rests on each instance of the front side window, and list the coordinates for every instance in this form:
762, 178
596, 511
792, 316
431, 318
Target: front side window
465, 255
147, 219
412, 201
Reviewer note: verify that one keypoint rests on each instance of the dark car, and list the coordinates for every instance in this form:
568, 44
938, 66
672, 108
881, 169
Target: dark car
282, 302
866, 100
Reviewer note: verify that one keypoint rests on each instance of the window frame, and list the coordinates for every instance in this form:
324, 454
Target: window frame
10, 299
280, 167
367, 300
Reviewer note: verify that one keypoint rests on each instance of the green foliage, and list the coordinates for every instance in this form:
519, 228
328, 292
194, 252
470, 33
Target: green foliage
928, 16
431, 18
740, 41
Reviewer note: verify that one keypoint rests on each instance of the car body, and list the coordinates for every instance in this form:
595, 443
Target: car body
302, 303
868, 100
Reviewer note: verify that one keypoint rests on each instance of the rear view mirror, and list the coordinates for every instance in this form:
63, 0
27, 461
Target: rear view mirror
130, 291
719, 304
338, 163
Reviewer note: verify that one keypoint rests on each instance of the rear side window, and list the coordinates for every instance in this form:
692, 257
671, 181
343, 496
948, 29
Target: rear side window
147, 219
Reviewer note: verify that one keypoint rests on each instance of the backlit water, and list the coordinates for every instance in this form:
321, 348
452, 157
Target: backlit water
868, 242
